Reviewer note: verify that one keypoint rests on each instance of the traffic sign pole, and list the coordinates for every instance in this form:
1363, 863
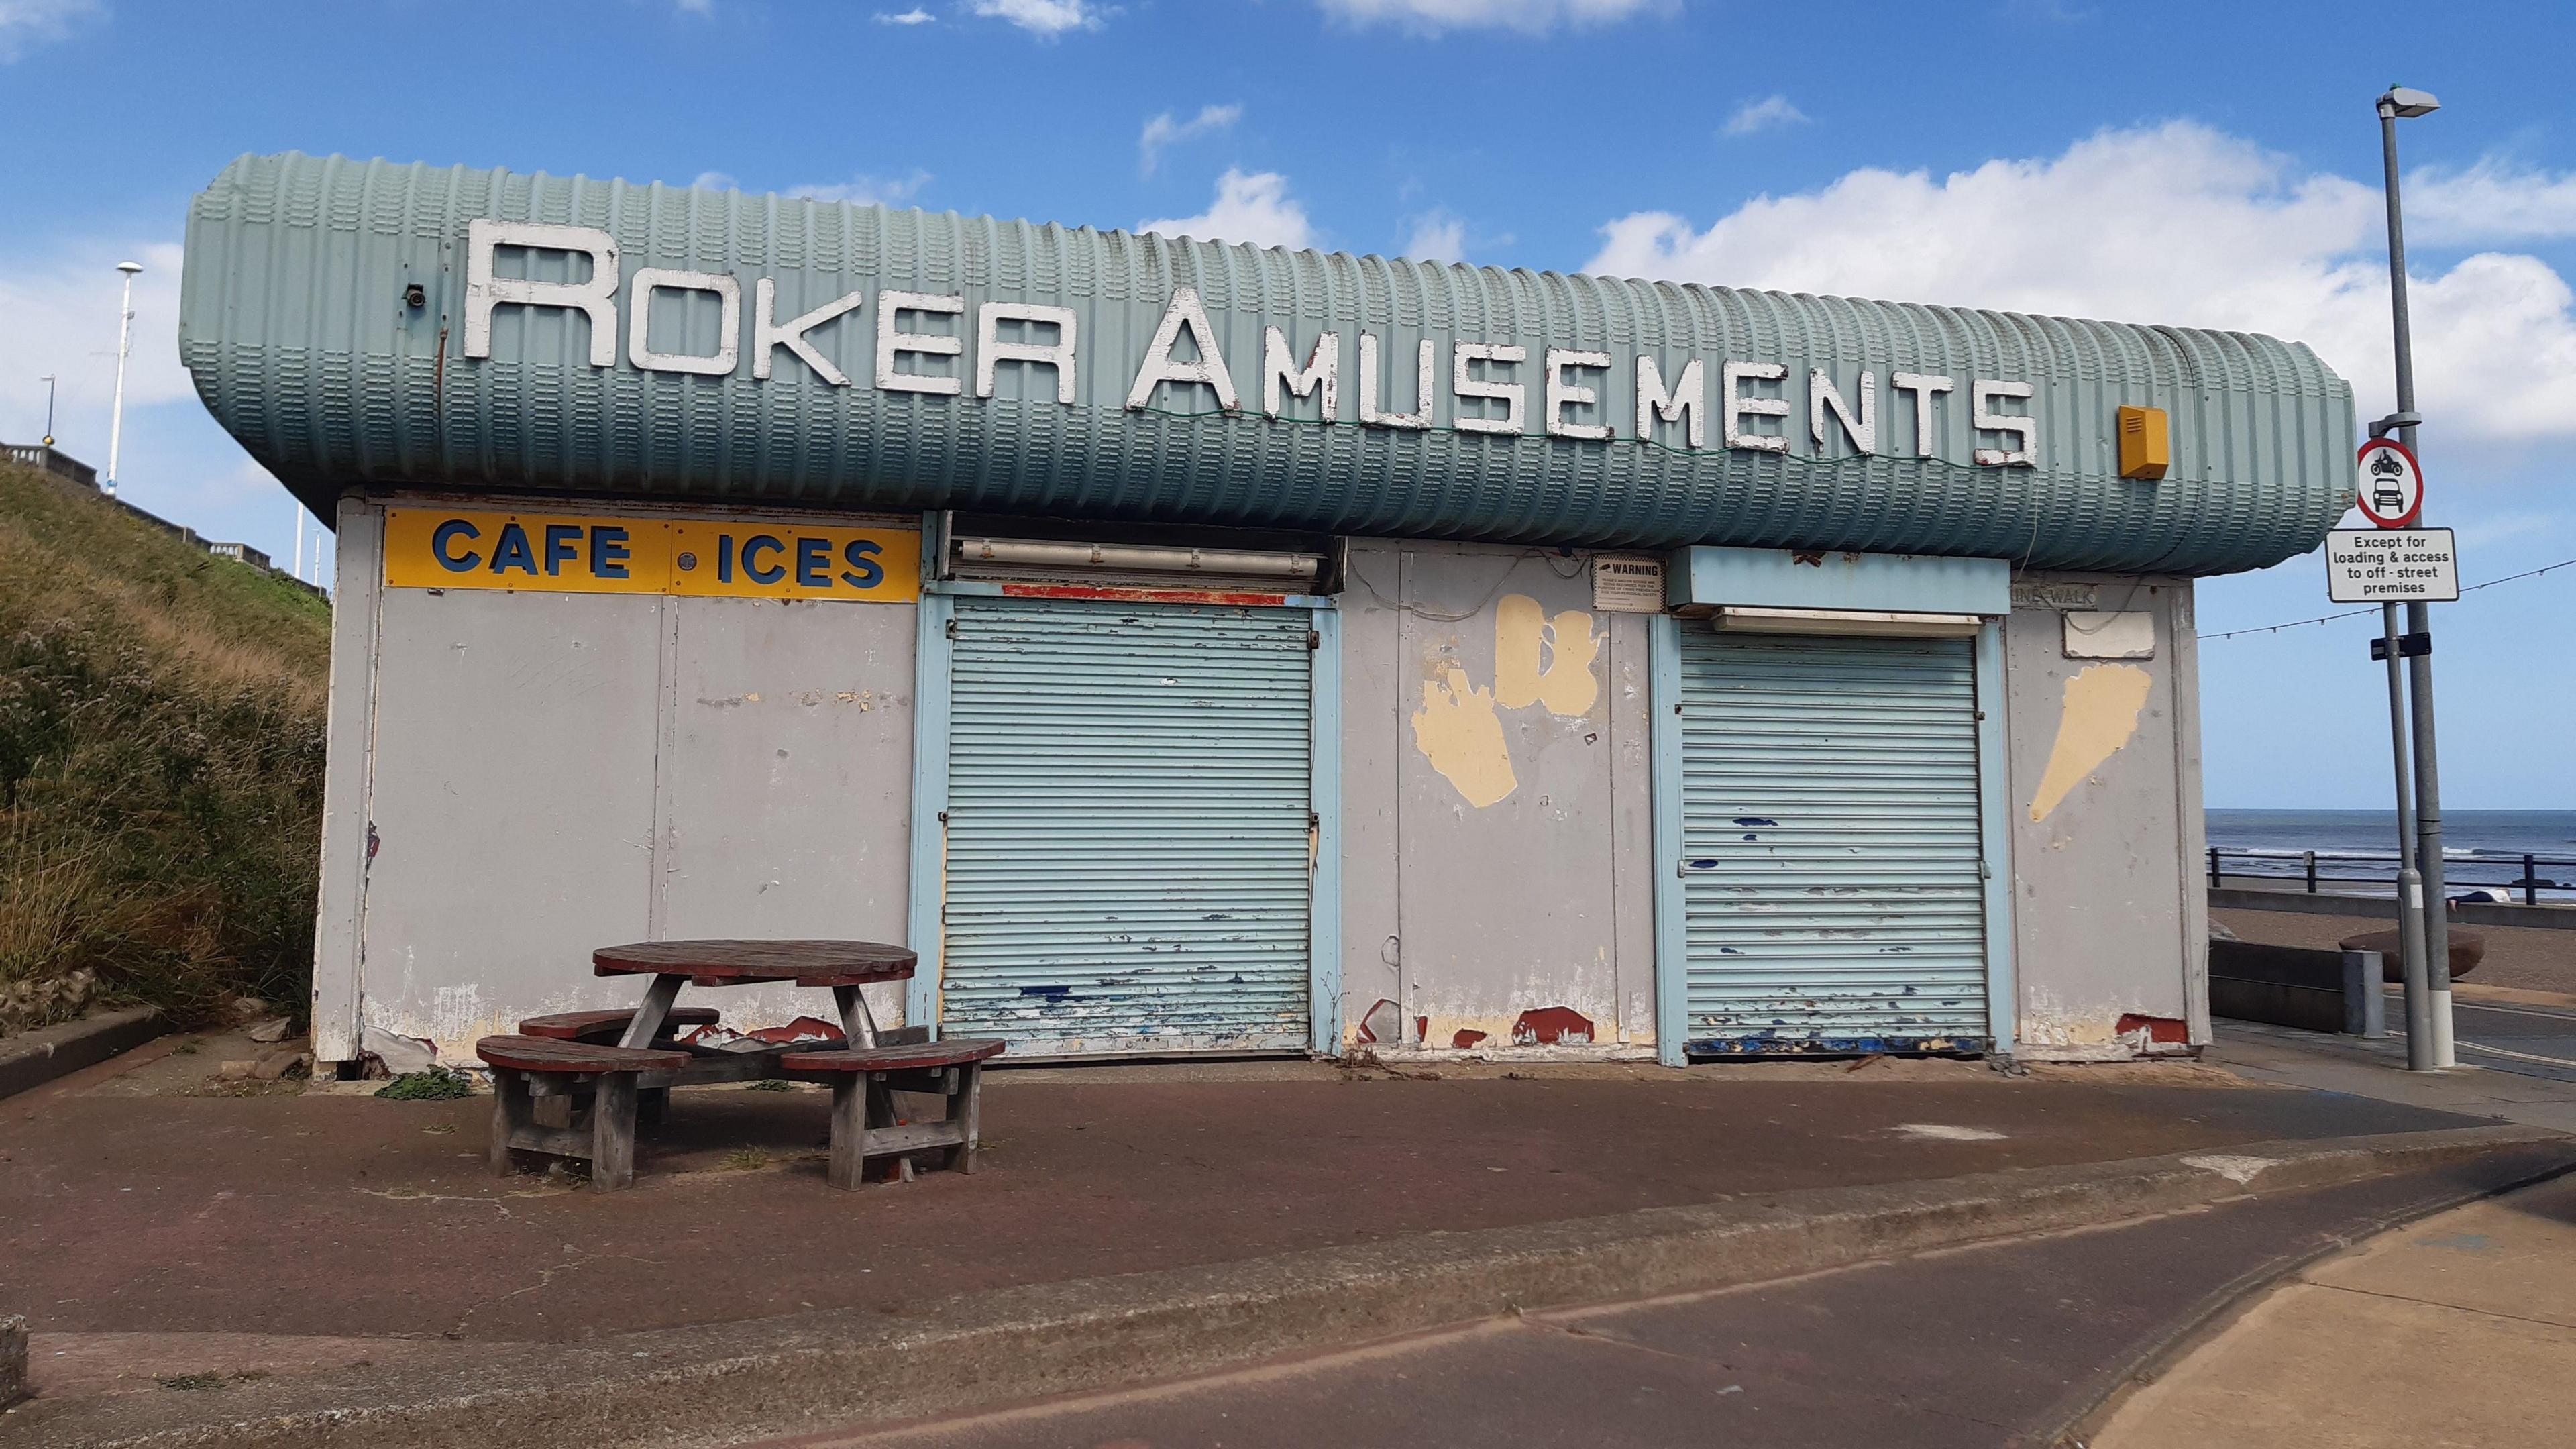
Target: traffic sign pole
2410, 883
2438, 1051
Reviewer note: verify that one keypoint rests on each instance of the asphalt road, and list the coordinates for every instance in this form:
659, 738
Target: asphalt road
2002, 1345
2530, 1041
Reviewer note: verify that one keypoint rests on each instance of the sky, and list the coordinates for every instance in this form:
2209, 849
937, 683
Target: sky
2184, 163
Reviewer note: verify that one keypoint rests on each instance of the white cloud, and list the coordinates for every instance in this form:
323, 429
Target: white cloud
867, 190
27, 24
1531, 17
61, 312
715, 181
2184, 225
914, 16
1768, 113
1437, 236
694, 7
1163, 131
1049, 18
1255, 208
2488, 203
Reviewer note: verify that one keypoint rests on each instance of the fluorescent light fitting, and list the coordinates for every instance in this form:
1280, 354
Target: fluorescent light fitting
1735, 619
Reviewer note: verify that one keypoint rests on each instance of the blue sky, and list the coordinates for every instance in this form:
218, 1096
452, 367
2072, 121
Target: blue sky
2184, 163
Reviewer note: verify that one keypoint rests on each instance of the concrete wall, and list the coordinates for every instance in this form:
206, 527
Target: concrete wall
518, 778
2110, 923
1497, 832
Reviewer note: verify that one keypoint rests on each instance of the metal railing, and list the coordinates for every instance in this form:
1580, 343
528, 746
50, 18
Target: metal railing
2317, 868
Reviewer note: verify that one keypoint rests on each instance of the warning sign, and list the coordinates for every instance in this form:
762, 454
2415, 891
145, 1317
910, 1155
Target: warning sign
2392, 565
1627, 585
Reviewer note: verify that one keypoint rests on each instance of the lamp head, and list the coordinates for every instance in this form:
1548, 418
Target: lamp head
129, 268
2407, 104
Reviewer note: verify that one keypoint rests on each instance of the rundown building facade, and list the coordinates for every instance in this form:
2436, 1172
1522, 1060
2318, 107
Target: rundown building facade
1193, 648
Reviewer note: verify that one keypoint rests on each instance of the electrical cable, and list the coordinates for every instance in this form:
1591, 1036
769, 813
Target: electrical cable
2375, 608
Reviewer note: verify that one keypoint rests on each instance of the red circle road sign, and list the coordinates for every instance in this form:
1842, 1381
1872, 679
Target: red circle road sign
2392, 483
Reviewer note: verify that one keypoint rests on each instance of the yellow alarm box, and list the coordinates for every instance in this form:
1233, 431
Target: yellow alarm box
2146, 443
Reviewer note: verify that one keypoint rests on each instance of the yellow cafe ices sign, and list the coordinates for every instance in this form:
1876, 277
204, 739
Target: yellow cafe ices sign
431, 548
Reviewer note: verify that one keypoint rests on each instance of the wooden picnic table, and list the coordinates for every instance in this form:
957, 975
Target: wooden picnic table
559, 1062
841, 966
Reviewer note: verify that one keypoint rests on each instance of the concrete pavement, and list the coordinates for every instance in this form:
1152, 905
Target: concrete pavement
325, 1269
2458, 1330
2002, 1344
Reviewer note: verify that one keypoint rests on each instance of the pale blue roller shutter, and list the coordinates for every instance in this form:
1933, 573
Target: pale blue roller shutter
1129, 861
1830, 846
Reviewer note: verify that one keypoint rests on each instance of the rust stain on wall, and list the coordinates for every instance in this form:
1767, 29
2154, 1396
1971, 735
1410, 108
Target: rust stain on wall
1552, 1026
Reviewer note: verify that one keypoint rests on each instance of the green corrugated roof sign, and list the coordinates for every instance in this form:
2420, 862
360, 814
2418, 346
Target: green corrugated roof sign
371, 323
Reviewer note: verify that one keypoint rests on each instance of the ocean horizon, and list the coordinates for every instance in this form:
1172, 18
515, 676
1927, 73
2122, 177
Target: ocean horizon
2479, 847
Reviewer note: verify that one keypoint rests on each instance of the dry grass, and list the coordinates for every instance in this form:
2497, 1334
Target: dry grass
161, 744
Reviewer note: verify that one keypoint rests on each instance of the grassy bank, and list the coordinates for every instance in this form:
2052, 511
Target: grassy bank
161, 726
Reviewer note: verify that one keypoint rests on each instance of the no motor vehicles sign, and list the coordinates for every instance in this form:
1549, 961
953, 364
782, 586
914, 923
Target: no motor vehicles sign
2392, 565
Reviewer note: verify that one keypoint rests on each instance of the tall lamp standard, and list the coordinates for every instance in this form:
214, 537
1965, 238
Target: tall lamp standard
124, 346
48, 381
2400, 103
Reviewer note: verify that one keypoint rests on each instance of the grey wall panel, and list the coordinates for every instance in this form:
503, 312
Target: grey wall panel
1509, 913
1373, 730
358, 561
2099, 795
1630, 698
786, 782
511, 806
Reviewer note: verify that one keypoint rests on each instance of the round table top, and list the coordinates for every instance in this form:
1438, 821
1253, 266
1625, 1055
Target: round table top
743, 963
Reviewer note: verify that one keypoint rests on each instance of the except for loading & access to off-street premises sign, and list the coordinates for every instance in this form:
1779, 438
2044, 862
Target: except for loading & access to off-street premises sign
2392, 566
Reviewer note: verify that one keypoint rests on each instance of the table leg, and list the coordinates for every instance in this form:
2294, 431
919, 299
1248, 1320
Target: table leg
612, 1133
649, 1016
857, 1026
849, 1129
510, 1111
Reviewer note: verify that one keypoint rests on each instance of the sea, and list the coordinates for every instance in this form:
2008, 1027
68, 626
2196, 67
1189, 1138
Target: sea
2357, 849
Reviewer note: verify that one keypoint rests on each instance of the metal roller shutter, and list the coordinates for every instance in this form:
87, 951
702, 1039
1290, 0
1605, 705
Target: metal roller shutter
1129, 857
1833, 874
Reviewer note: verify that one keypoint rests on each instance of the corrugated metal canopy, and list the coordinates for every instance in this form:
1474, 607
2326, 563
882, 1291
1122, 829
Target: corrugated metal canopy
301, 327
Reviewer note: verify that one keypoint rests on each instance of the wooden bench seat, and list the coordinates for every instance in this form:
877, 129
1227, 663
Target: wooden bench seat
605, 1027
609, 1072
863, 1083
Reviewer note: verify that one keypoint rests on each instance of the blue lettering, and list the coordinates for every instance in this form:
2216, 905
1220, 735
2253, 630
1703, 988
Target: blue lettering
512, 551
814, 563
754, 572
608, 552
448, 532
865, 571
560, 541
724, 558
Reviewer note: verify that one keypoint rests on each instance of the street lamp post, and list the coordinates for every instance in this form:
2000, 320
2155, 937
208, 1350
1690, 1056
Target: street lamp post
48, 381
2438, 1051
124, 346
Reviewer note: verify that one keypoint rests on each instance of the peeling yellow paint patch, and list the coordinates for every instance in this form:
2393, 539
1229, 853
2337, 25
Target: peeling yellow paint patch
1538, 660
2100, 715
1457, 730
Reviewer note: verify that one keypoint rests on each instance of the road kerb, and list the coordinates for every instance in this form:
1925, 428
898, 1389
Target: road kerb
720, 1384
